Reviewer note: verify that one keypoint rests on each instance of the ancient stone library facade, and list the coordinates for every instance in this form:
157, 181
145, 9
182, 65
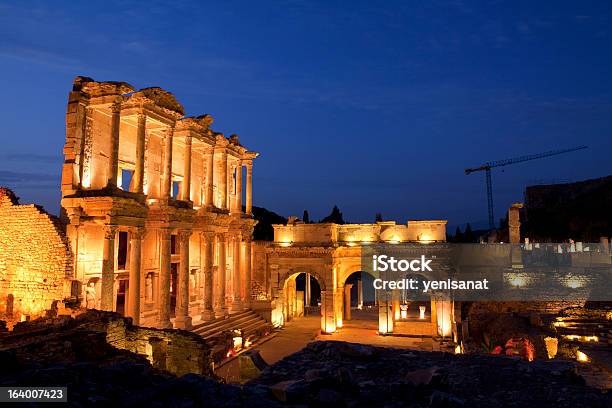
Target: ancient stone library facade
156, 224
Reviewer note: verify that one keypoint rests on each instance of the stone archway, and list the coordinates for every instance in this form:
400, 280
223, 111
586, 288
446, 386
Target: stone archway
286, 296
359, 296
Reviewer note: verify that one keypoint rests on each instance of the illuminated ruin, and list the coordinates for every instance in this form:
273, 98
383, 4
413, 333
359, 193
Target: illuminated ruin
34, 259
331, 253
156, 224
153, 203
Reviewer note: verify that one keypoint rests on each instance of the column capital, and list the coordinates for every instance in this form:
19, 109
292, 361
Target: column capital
169, 131
184, 233
116, 105
137, 232
110, 231
221, 237
142, 118
208, 235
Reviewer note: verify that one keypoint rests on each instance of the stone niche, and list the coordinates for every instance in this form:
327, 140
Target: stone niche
35, 259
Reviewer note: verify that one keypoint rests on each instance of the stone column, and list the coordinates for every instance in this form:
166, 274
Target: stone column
80, 138
328, 317
347, 301
385, 315
183, 320
604, 244
248, 278
108, 268
396, 305
208, 189
229, 185
307, 293
133, 309
239, 188
167, 166
360, 290
339, 306
237, 303
113, 161
249, 187
140, 153
221, 308
443, 310
222, 183
186, 186
514, 223
209, 242
164, 279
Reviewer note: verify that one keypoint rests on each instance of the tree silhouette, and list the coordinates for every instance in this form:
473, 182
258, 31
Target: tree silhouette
335, 216
264, 231
458, 237
379, 217
306, 217
468, 235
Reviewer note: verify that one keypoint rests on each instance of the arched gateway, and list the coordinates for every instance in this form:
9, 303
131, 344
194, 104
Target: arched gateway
331, 253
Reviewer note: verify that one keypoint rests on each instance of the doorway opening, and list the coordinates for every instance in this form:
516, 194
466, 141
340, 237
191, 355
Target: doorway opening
122, 288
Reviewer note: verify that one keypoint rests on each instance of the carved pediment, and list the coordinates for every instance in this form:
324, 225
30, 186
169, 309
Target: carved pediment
200, 123
94, 89
163, 99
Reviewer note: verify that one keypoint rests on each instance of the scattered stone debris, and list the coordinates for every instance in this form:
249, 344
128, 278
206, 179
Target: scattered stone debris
344, 374
95, 357
122, 379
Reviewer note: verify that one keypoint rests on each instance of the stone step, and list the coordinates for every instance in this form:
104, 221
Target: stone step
246, 330
254, 327
584, 332
218, 320
602, 322
241, 325
229, 324
247, 321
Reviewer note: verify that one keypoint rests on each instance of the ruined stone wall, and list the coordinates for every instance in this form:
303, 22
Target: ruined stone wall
35, 259
101, 335
179, 352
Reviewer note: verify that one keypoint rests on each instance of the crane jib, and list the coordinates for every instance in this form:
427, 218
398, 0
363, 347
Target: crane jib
500, 163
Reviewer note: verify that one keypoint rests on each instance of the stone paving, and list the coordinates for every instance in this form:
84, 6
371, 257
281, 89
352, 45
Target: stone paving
359, 331
296, 334
291, 338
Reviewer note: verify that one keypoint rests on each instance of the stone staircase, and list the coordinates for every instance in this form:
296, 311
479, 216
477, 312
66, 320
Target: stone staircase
594, 331
591, 331
250, 323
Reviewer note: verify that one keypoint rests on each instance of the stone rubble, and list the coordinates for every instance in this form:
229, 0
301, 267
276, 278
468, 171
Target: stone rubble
344, 374
102, 367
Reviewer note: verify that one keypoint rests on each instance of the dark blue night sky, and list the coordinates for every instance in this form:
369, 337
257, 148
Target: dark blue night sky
373, 107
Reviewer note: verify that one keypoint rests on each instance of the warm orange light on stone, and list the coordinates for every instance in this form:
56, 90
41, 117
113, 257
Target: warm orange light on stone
551, 346
580, 356
35, 259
